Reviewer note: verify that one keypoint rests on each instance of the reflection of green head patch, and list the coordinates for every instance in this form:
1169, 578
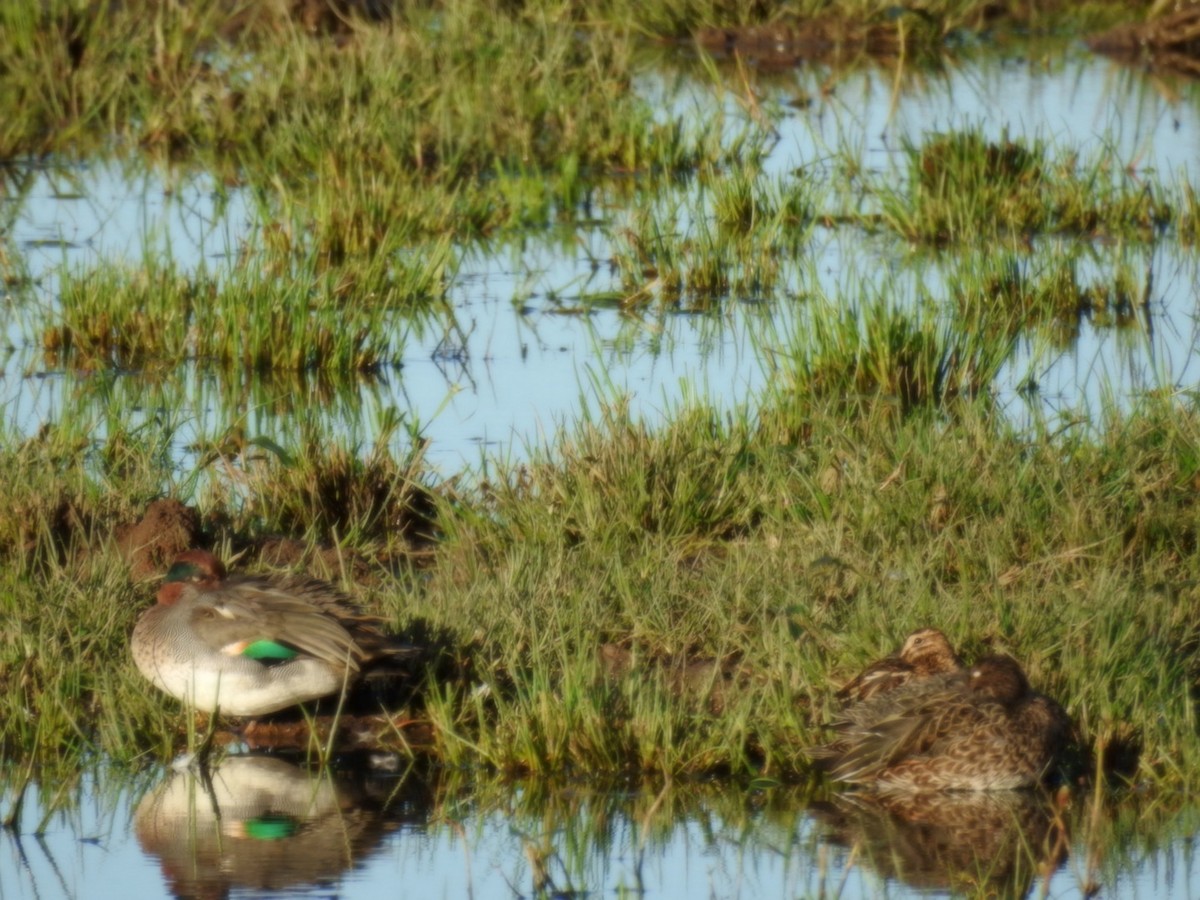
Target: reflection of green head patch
270, 828
266, 651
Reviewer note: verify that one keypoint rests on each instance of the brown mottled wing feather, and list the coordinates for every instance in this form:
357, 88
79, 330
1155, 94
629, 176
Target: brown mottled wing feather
885, 675
879, 734
911, 698
925, 653
253, 609
320, 594
1045, 718
863, 728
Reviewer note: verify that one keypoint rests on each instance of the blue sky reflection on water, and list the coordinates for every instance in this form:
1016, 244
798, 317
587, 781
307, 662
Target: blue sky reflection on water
525, 358
114, 843
1067, 97
511, 372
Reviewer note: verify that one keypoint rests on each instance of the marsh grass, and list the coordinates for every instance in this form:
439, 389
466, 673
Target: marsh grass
258, 316
56, 633
330, 494
767, 553
885, 514
1052, 292
429, 123
365, 134
880, 348
737, 235
961, 185
742, 566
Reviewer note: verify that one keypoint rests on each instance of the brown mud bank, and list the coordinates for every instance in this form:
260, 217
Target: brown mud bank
1168, 43
786, 44
887, 33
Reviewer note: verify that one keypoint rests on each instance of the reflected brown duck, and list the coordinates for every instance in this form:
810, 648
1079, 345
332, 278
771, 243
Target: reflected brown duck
986, 730
925, 652
991, 844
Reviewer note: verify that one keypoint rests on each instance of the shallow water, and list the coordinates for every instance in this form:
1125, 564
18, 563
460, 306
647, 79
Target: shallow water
264, 826
525, 355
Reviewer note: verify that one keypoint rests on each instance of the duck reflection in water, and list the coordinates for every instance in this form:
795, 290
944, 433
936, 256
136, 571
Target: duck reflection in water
983, 843
261, 823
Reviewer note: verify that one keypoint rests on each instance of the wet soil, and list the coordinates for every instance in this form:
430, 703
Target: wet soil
1168, 43
376, 733
151, 544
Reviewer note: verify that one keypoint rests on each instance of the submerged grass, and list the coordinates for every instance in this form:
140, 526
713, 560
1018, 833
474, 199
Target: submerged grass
879, 348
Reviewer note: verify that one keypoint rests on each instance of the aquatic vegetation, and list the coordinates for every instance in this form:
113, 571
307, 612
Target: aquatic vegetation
249, 318
960, 186
878, 349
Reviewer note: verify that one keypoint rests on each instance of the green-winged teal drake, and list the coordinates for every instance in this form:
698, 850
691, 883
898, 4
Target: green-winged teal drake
985, 729
252, 644
925, 652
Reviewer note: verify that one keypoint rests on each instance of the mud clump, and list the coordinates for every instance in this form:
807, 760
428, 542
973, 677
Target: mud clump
793, 40
151, 544
1170, 42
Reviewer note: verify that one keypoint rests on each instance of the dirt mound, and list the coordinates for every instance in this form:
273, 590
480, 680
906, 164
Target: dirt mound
1170, 42
150, 545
